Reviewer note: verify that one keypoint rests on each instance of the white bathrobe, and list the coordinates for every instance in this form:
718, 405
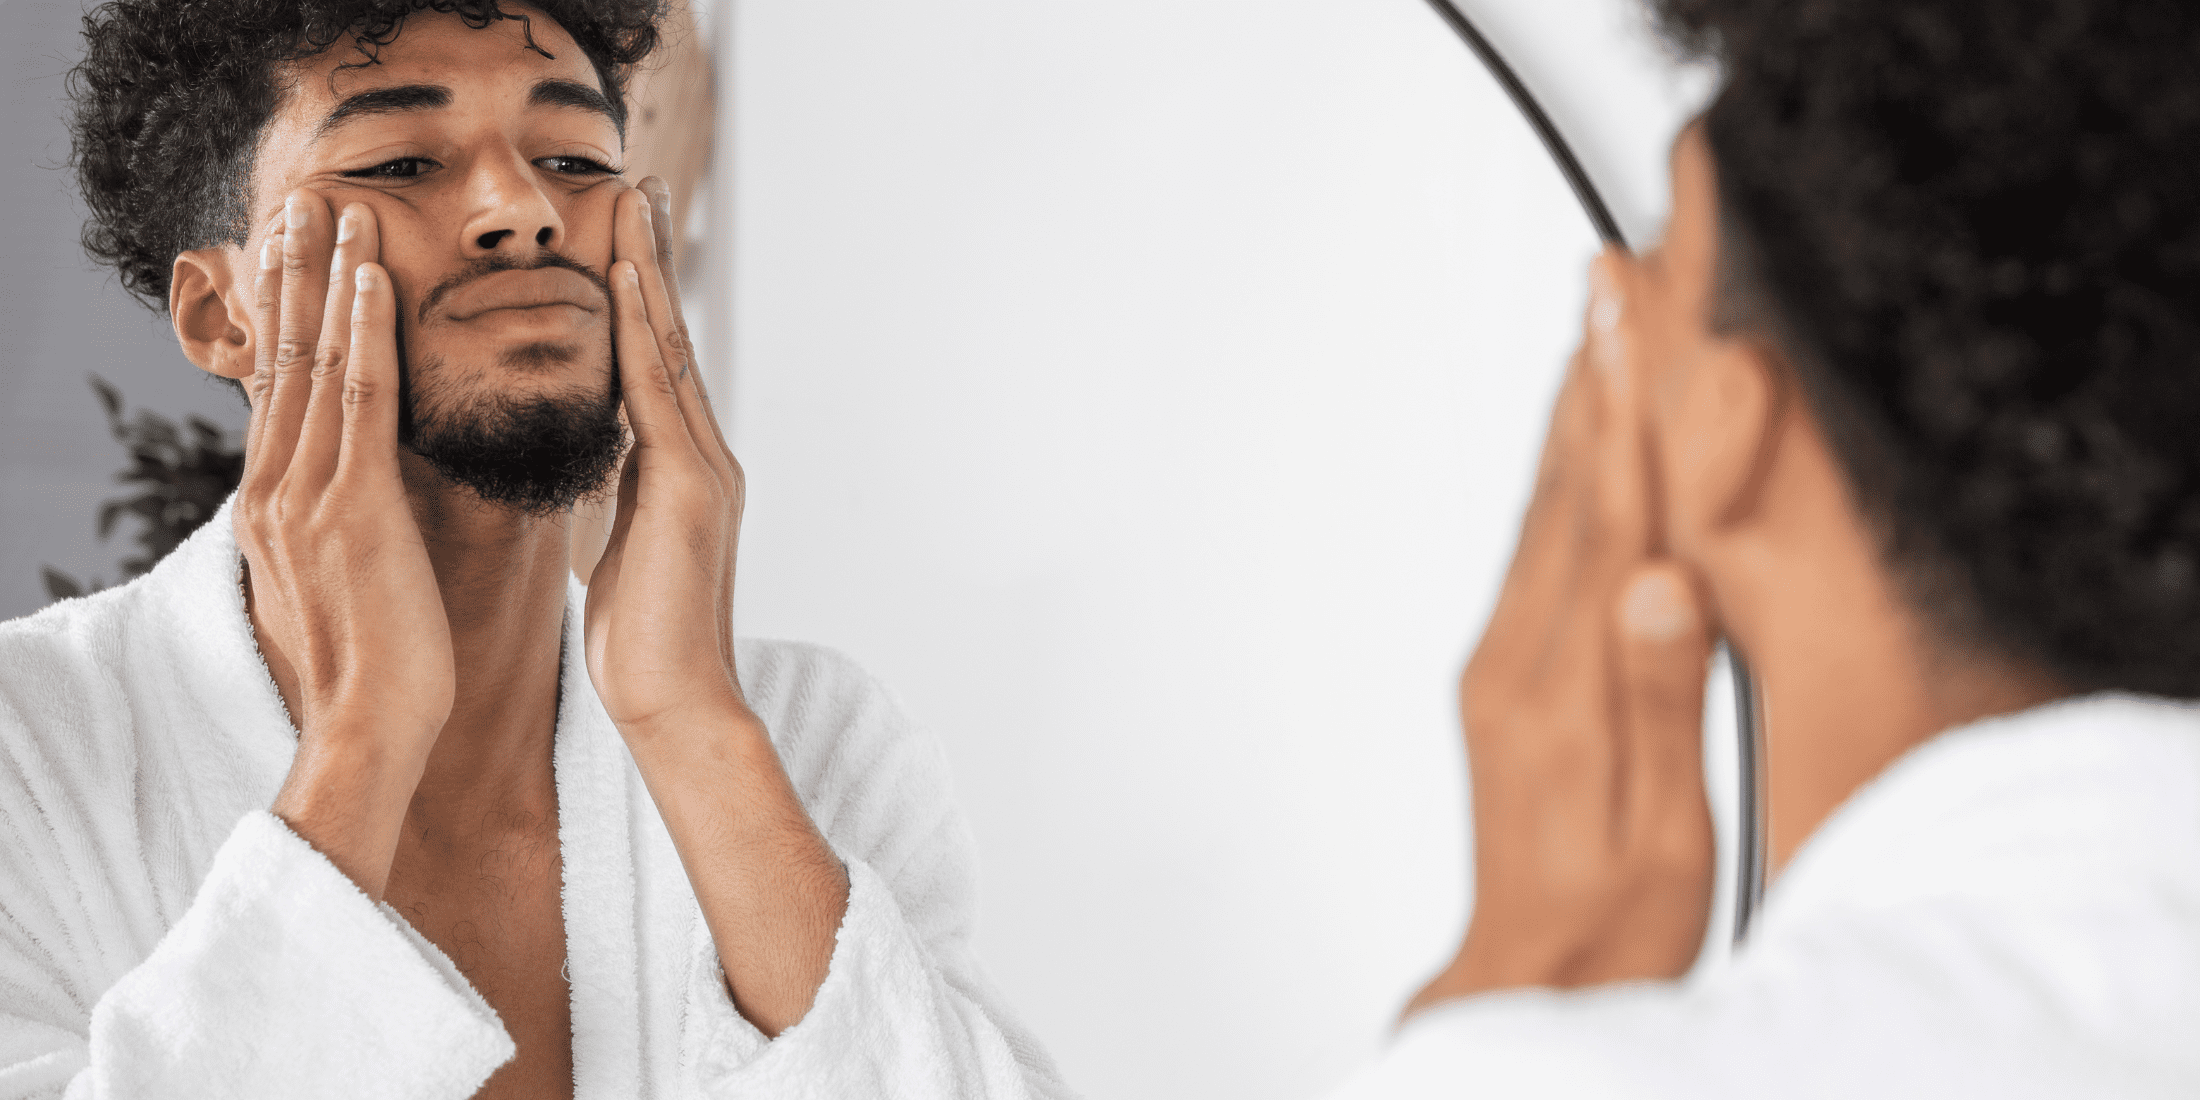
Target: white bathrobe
2010, 911
163, 935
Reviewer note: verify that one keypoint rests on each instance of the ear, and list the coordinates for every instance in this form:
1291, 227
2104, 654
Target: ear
213, 321
1720, 432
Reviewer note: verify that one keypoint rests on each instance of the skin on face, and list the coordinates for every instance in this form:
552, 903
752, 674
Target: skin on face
472, 150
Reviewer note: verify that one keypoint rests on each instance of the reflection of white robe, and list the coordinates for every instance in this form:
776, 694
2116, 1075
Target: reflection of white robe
162, 934
2010, 911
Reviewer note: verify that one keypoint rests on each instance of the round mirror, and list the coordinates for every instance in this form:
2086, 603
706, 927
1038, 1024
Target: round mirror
1148, 393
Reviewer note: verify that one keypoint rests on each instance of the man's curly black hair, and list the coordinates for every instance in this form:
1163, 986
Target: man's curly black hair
172, 95
1973, 230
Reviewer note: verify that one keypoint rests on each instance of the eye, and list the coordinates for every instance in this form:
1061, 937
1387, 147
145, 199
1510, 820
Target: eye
403, 168
576, 166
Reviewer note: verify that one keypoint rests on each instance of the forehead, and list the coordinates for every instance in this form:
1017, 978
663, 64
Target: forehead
480, 66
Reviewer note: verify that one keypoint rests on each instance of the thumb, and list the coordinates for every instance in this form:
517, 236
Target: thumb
1664, 655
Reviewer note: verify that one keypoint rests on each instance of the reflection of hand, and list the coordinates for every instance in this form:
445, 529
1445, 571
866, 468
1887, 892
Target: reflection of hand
344, 600
660, 603
1583, 713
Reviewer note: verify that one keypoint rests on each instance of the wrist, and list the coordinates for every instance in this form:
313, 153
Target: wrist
347, 798
717, 720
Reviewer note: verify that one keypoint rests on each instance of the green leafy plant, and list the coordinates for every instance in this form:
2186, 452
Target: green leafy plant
181, 480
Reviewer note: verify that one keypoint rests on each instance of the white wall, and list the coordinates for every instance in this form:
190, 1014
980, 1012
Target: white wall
1148, 390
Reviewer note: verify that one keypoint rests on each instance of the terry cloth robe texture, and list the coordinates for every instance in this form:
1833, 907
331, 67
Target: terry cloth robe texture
163, 935
2011, 911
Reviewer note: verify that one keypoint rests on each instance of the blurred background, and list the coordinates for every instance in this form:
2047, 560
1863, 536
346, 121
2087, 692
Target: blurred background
1147, 392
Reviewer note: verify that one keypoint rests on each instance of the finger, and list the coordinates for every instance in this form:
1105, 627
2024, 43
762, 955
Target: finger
644, 241
357, 241
1664, 644
662, 232
638, 237
305, 254
1624, 517
267, 291
1546, 574
369, 387
646, 381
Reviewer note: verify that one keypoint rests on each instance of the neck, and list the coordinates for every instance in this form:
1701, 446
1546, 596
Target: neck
502, 577
1840, 706
503, 581
1851, 678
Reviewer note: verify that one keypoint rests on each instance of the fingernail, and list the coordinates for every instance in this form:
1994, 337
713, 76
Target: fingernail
1605, 306
347, 227
1656, 609
270, 252
294, 214
633, 275
363, 278
1607, 345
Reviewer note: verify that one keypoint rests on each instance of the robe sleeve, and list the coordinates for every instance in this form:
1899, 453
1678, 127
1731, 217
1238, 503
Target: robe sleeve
281, 979
1953, 997
905, 1009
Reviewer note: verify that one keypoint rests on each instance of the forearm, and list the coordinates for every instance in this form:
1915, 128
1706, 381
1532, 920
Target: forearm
772, 891
347, 796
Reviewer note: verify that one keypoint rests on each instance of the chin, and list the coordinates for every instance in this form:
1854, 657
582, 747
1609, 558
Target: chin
535, 431
540, 357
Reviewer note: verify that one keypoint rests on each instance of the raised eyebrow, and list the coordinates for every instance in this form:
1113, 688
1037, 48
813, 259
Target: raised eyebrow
571, 93
378, 101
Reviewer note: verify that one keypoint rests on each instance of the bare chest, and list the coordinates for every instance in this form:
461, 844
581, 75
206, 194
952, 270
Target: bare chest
496, 912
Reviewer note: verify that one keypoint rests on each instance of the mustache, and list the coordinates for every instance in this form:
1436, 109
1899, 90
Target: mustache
476, 270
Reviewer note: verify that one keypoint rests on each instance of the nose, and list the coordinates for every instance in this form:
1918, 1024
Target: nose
509, 212
489, 241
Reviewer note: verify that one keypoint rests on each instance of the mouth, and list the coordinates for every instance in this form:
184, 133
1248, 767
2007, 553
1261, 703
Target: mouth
516, 293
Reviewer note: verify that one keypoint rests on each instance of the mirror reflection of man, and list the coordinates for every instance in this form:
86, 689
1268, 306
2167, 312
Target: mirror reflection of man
1902, 406
357, 794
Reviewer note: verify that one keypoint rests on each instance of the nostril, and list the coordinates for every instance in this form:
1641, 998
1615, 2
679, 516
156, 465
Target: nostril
542, 237
492, 238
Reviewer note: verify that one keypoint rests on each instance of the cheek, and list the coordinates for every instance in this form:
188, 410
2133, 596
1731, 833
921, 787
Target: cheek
588, 222
405, 240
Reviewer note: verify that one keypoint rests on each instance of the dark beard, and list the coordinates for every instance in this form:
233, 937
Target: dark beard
536, 455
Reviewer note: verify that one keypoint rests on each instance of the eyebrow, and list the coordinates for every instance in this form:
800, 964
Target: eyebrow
382, 101
431, 97
568, 93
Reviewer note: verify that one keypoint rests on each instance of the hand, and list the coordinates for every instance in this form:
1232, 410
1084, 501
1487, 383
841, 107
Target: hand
660, 603
660, 652
343, 598
1583, 712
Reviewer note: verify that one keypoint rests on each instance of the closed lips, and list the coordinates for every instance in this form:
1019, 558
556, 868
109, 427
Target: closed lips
548, 286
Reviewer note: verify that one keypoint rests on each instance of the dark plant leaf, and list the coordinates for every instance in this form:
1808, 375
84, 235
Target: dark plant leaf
179, 482
109, 512
108, 396
60, 585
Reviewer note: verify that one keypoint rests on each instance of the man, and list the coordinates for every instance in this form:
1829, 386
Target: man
1902, 407
462, 833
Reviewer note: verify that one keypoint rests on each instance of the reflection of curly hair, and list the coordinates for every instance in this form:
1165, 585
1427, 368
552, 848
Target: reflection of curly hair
172, 95
1974, 229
